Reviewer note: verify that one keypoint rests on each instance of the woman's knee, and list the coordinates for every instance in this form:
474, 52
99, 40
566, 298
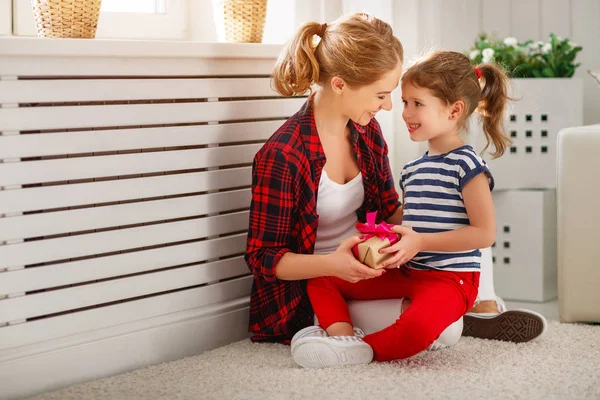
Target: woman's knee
451, 335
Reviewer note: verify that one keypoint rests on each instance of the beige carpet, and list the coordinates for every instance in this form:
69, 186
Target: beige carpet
564, 364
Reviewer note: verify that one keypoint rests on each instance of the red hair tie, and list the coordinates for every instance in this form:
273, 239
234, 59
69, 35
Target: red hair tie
478, 72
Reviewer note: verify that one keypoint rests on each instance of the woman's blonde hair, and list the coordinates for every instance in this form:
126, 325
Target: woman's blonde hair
451, 77
358, 48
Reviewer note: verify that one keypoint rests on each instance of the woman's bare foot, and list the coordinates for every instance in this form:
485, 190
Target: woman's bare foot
485, 306
340, 329
405, 304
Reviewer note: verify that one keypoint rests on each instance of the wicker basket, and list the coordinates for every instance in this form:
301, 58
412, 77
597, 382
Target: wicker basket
241, 21
66, 18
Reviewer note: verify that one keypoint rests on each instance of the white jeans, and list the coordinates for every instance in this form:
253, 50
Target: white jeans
486, 278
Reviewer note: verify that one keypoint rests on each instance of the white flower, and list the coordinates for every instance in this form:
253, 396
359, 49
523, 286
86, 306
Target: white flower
473, 54
572, 44
510, 41
546, 48
487, 55
533, 48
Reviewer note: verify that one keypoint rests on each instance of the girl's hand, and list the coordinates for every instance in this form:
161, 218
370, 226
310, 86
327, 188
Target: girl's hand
405, 249
347, 267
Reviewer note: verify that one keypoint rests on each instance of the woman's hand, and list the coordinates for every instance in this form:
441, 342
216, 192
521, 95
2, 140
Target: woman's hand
405, 249
345, 266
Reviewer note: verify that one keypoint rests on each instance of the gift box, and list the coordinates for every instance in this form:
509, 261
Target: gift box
378, 236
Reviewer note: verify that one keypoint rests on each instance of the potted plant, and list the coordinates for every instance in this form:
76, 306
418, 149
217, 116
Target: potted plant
552, 59
547, 99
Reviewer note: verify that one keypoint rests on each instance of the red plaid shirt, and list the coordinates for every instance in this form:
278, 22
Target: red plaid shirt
283, 215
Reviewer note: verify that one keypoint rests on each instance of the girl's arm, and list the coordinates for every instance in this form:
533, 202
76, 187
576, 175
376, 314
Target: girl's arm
479, 234
482, 229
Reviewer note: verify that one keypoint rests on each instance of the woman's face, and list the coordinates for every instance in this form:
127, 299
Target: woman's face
361, 104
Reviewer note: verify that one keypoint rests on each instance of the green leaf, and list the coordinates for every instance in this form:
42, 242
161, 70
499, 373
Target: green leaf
548, 73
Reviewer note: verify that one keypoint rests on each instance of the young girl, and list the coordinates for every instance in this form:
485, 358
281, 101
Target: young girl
447, 212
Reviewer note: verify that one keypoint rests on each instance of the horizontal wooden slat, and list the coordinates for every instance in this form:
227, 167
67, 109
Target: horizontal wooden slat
39, 198
154, 333
56, 66
46, 224
49, 144
70, 90
29, 279
12, 337
56, 301
73, 117
21, 173
104, 242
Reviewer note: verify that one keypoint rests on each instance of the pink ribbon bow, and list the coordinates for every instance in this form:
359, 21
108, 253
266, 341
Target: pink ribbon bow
383, 230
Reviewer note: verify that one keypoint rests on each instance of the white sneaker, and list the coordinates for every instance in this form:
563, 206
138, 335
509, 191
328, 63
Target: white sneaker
314, 330
329, 351
358, 332
317, 331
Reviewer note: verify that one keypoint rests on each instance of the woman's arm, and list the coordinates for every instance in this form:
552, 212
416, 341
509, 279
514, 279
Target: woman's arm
390, 204
340, 263
271, 211
271, 215
396, 218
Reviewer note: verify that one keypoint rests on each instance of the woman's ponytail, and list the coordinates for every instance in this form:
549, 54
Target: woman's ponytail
297, 68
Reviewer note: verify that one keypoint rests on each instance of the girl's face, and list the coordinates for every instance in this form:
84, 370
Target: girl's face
361, 104
425, 115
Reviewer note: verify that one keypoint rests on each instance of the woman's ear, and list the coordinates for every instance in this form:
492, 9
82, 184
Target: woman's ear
337, 84
457, 109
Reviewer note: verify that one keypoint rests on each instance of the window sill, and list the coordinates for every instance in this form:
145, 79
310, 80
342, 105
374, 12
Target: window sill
20, 46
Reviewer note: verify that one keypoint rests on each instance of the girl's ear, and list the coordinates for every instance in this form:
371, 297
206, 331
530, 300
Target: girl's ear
337, 84
457, 109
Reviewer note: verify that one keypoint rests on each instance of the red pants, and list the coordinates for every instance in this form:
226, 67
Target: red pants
438, 298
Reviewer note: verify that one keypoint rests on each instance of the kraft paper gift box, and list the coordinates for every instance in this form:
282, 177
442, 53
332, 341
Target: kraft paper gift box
378, 237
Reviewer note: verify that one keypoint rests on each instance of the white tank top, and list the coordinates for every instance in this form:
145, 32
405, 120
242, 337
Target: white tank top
336, 207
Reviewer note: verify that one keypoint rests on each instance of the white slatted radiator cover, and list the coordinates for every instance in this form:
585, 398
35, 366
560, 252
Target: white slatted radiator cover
124, 209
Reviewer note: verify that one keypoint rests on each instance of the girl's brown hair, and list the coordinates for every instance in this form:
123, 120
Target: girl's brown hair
451, 77
358, 48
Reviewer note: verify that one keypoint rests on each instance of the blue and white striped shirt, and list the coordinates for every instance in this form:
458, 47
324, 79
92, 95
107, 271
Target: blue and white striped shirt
433, 202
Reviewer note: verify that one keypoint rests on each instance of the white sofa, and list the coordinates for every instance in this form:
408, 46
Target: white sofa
578, 203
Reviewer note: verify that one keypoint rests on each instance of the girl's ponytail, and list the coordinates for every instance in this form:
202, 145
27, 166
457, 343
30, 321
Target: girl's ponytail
494, 97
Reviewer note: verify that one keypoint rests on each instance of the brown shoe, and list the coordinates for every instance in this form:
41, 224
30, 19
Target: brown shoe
515, 326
